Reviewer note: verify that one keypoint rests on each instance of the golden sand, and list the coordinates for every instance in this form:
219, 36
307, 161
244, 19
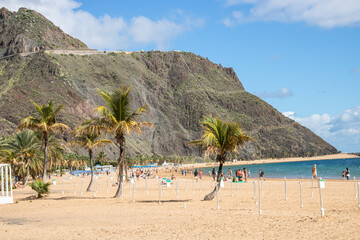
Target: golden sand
184, 216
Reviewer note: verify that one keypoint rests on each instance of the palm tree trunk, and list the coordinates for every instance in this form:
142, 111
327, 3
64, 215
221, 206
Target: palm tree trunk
61, 167
121, 142
27, 174
45, 154
126, 171
211, 195
92, 171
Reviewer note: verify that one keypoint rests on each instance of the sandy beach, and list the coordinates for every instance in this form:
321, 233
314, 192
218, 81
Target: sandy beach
183, 215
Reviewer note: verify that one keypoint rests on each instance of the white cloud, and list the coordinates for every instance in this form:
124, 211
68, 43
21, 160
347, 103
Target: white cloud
322, 13
282, 93
236, 18
343, 130
107, 32
236, 2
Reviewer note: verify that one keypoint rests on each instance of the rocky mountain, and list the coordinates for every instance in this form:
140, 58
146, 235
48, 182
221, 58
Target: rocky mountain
28, 31
179, 87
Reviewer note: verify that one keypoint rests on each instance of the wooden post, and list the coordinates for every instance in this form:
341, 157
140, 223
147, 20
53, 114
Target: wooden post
2, 182
177, 188
134, 191
160, 192
147, 192
7, 181
81, 191
107, 185
74, 187
312, 186
286, 198
94, 186
301, 201
254, 187
321, 200
259, 198
217, 200
356, 194
358, 187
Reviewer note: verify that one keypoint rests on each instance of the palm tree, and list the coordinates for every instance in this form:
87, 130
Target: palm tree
46, 124
117, 118
24, 145
101, 157
220, 138
89, 141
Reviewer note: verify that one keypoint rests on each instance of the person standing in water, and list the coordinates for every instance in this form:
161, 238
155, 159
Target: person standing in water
314, 172
261, 174
347, 174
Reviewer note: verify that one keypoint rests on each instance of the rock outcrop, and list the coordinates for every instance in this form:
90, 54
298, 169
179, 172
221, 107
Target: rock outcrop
28, 31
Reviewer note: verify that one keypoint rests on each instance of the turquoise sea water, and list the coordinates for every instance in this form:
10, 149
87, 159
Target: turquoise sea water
327, 169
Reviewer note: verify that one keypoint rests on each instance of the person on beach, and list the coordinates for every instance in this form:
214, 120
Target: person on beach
196, 173
314, 172
213, 173
230, 173
261, 174
137, 174
200, 174
245, 174
239, 175
347, 174
343, 175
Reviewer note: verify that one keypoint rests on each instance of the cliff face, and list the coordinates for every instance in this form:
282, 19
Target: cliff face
179, 87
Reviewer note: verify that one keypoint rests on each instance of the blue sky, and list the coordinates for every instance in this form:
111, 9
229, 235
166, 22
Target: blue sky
302, 57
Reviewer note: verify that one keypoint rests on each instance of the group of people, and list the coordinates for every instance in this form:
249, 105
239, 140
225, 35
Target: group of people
198, 174
345, 174
144, 173
237, 175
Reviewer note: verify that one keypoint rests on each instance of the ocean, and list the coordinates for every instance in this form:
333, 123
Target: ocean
326, 169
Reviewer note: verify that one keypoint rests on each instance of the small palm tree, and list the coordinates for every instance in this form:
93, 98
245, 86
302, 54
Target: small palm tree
46, 124
24, 145
118, 119
40, 187
220, 138
89, 141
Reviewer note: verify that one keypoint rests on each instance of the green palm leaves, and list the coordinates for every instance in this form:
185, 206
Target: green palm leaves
40, 187
45, 124
118, 119
220, 137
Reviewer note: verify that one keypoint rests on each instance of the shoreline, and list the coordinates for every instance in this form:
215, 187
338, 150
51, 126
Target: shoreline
272, 160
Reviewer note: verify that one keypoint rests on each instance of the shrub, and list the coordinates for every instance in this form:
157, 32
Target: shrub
40, 187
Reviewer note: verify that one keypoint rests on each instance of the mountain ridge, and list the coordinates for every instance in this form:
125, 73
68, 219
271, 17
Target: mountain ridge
179, 87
